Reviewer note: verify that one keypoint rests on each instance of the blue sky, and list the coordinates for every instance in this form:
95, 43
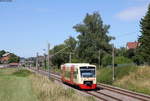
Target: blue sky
27, 25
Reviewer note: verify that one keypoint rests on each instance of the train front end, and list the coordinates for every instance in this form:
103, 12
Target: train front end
87, 77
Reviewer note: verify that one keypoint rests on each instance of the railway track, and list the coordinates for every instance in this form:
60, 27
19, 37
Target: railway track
111, 93
135, 95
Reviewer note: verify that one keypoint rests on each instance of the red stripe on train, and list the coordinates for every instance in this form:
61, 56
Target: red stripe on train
82, 86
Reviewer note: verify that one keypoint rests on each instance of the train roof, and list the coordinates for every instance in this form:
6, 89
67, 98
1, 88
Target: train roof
78, 64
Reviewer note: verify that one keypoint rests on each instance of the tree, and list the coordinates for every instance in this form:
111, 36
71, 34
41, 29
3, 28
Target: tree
93, 37
121, 51
130, 53
2, 52
122, 60
71, 44
13, 58
107, 60
144, 39
60, 58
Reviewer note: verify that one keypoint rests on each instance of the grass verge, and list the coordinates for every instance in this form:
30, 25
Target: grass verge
138, 81
132, 78
47, 90
104, 75
15, 88
23, 85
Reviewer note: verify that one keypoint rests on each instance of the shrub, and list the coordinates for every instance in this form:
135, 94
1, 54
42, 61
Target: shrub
122, 60
106, 60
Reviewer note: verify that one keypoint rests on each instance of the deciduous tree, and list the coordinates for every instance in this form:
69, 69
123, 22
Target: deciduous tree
93, 37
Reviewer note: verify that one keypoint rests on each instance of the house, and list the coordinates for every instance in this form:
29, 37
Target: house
132, 45
13, 64
5, 57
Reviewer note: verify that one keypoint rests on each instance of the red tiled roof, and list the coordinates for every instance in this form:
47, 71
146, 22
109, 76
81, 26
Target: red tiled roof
132, 45
14, 64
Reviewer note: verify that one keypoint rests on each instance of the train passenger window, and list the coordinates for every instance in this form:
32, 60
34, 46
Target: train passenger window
87, 71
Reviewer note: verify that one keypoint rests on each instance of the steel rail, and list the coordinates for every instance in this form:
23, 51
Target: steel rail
124, 92
96, 96
109, 96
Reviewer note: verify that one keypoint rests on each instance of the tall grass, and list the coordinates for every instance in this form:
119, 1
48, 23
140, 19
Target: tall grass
23, 85
138, 81
14, 87
104, 75
47, 90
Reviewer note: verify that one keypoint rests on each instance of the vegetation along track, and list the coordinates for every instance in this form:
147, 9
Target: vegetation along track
101, 95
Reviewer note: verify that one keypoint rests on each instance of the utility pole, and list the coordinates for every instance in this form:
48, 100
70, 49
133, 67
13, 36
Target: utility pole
44, 60
113, 66
37, 67
70, 57
48, 64
99, 58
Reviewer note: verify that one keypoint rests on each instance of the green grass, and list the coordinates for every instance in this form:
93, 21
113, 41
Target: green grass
133, 78
23, 85
104, 75
22, 73
138, 81
15, 88
47, 90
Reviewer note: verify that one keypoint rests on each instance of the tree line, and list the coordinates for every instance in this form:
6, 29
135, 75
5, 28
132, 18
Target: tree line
93, 44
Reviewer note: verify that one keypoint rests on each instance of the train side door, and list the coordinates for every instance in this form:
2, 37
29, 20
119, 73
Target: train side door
63, 72
72, 74
77, 75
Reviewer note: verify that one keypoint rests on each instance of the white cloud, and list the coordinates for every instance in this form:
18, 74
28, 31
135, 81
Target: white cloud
132, 13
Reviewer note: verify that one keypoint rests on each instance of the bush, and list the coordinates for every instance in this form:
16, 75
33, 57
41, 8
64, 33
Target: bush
107, 60
122, 60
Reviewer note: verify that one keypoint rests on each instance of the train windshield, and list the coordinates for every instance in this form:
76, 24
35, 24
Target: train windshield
87, 71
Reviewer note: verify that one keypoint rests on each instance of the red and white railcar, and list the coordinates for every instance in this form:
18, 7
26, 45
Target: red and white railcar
82, 75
